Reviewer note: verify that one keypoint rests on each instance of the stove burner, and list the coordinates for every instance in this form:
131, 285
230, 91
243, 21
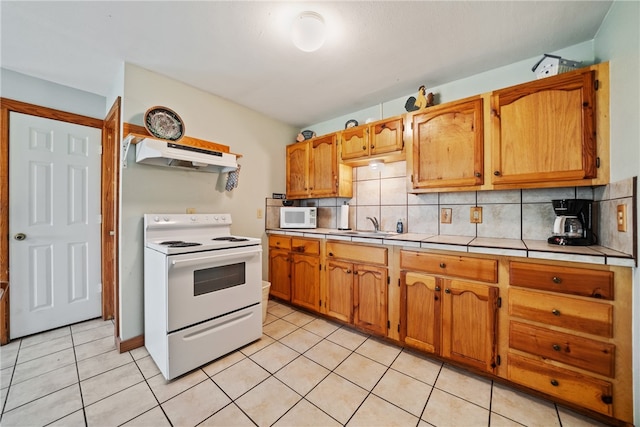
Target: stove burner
231, 239
179, 244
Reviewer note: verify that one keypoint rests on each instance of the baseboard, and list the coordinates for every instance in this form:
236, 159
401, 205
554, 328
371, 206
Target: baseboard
130, 344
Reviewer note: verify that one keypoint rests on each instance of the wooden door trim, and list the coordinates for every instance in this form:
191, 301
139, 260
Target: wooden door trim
6, 107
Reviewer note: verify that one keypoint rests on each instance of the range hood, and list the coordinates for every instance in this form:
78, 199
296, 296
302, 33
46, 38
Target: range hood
170, 154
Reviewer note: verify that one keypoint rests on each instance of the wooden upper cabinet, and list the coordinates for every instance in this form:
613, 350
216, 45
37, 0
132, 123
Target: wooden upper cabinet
448, 145
313, 169
373, 139
385, 136
324, 163
545, 131
298, 170
355, 142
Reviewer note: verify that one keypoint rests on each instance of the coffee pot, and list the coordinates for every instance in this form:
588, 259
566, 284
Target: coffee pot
573, 225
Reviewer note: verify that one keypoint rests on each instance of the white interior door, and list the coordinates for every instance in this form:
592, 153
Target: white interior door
54, 223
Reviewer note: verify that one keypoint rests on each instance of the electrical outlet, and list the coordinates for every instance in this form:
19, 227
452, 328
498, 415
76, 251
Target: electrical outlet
259, 213
191, 210
475, 215
622, 217
445, 215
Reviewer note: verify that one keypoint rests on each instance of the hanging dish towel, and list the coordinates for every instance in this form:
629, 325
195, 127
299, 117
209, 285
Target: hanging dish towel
232, 179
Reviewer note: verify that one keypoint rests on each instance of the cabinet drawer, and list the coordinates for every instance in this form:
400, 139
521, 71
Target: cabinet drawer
306, 246
567, 280
579, 315
571, 386
585, 353
357, 253
280, 242
485, 270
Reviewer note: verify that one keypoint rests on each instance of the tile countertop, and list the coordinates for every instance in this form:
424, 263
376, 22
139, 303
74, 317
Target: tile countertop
539, 249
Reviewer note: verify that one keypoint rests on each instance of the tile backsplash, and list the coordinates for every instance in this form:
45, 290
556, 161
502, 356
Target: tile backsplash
512, 214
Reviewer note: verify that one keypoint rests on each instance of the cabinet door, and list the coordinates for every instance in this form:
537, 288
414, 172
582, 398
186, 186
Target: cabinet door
545, 130
420, 311
386, 136
448, 145
298, 170
324, 163
370, 298
305, 281
340, 290
355, 142
280, 273
469, 323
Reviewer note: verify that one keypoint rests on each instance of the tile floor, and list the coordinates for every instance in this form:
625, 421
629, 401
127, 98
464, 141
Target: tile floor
305, 371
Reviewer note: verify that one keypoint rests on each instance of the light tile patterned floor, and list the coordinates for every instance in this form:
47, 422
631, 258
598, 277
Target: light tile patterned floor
305, 371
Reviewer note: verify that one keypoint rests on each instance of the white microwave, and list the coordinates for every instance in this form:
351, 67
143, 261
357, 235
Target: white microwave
298, 217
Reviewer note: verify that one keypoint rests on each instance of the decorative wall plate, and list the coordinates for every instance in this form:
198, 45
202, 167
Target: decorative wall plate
351, 123
164, 123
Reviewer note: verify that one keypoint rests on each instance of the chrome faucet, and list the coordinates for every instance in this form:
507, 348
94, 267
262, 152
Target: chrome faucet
374, 221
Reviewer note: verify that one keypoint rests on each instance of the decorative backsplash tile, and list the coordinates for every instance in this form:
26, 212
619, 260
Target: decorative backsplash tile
506, 214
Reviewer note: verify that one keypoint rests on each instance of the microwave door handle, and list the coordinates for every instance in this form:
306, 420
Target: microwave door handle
178, 263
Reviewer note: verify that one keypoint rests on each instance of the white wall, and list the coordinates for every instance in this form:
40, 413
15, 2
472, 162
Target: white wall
21, 87
148, 189
618, 41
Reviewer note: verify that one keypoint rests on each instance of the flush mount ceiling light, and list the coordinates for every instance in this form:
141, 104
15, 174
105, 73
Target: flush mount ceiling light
307, 31
376, 164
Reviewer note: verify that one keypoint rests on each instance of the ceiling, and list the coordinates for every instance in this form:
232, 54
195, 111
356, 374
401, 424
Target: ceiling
375, 51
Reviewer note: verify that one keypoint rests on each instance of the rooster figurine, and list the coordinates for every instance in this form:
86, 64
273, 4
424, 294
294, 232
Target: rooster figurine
424, 100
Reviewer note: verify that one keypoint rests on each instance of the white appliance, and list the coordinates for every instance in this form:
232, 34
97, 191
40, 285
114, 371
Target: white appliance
170, 154
202, 290
298, 217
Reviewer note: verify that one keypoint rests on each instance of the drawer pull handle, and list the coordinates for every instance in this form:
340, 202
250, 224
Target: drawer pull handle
555, 312
556, 280
447, 291
556, 347
443, 265
555, 383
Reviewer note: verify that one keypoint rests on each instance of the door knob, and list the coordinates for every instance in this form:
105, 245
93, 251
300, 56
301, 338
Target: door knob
20, 236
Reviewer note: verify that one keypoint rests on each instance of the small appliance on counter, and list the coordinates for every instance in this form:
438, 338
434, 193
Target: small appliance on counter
573, 225
298, 217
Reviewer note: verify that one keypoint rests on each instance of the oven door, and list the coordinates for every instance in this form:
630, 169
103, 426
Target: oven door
205, 285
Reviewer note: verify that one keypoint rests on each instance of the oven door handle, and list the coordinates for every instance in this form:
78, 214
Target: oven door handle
178, 263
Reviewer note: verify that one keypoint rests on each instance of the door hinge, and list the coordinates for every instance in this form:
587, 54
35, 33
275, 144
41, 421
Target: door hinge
320, 267
388, 324
499, 302
598, 162
398, 282
398, 327
320, 303
596, 84
498, 360
388, 280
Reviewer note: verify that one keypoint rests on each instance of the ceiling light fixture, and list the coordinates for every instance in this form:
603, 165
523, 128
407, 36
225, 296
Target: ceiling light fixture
307, 31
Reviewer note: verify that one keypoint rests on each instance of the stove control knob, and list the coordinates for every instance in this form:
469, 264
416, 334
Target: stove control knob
216, 218
156, 219
166, 219
193, 218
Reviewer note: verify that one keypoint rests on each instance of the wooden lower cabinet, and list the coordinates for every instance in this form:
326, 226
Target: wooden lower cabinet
449, 317
569, 334
339, 285
357, 289
305, 281
294, 270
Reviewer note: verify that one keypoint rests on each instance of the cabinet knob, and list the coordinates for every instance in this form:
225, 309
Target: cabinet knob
437, 288
447, 291
372, 146
555, 383
556, 280
555, 312
496, 173
348, 271
443, 265
556, 347
364, 147
330, 253
478, 174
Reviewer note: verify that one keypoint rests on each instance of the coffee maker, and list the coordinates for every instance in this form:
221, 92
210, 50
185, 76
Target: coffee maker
573, 225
